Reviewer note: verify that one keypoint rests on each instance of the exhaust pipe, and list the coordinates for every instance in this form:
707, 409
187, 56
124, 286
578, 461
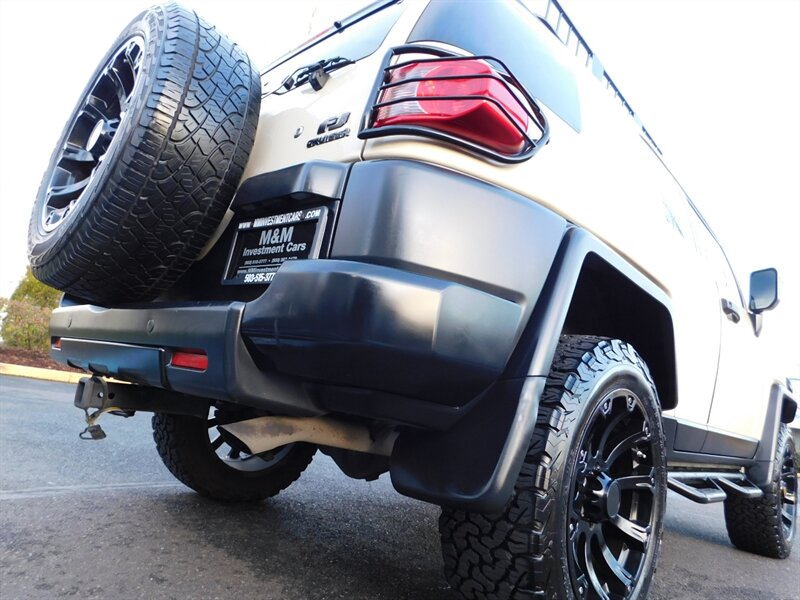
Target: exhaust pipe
267, 433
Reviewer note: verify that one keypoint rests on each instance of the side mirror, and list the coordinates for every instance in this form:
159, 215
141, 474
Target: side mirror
763, 290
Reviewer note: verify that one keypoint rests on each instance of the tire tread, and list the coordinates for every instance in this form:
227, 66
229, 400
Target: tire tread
509, 554
173, 182
754, 524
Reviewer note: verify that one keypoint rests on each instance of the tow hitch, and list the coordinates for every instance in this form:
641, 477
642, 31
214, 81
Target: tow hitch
124, 399
93, 392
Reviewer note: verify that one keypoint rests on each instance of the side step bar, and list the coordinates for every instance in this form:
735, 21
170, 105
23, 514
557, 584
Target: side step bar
706, 488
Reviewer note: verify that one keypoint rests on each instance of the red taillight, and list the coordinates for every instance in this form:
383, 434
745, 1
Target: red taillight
467, 99
190, 359
55, 343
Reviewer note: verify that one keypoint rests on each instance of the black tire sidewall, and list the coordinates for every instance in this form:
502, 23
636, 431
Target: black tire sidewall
169, 173
43, 245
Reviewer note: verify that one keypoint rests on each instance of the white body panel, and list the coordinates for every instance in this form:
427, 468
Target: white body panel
605, 179
348, 90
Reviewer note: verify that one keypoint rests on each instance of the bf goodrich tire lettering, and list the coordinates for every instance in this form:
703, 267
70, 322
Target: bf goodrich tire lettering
144, 170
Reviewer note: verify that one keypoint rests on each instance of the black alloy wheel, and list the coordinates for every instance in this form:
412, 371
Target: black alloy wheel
585, 518
612, 513
147, 164
232, 452
91, 132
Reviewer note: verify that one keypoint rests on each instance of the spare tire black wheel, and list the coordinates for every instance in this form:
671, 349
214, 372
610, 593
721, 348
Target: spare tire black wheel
148, 162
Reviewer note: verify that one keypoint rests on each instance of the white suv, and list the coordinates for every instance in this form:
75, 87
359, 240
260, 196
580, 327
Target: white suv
427, 242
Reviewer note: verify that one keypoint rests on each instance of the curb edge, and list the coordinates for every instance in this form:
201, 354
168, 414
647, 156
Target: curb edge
38, 373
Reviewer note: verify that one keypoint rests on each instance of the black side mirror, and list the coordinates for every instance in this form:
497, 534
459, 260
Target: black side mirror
763, 290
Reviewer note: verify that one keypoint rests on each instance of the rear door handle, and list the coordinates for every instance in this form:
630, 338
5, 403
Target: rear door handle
729, 308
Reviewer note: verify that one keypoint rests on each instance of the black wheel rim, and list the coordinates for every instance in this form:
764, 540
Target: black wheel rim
232, 452
788, 492
91, 132
613, 510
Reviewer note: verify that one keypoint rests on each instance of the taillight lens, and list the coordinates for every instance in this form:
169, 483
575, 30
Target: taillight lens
467, 99
197, 360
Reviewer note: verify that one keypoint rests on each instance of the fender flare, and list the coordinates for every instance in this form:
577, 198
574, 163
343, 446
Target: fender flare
474, 465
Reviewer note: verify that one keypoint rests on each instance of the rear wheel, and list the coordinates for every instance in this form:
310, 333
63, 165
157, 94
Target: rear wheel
212, 462
766, 525
585, 518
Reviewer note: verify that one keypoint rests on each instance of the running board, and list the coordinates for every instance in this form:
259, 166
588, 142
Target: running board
706, 488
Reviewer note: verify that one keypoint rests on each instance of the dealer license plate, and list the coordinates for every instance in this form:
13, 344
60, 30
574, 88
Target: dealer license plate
263, 244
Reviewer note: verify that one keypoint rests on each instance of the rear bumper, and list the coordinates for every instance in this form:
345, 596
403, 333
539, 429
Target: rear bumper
332, 321
136, 345
380, 328
413, 318
430, 280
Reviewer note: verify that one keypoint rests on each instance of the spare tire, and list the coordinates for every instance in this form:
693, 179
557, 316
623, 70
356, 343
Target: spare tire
148, 162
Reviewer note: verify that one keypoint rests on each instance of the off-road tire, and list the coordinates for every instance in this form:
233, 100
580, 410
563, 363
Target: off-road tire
184, 446
755, 525
169, 171
522, 551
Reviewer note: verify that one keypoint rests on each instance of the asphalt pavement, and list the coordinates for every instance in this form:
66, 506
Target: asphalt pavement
105, 519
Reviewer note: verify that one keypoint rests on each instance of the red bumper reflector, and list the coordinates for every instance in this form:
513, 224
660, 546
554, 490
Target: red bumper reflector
55, 343
190, 359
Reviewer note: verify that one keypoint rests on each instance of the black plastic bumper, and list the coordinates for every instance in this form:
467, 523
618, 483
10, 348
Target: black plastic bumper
136, 345
413, 317
379, 328
431, 279
429, 283
332, 321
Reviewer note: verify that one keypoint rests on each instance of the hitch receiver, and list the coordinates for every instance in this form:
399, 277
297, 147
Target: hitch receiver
125, 399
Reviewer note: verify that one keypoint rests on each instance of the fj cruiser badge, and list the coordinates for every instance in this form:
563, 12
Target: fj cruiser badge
330, 125
333, 123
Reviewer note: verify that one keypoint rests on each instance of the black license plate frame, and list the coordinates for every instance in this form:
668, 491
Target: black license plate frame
262, 244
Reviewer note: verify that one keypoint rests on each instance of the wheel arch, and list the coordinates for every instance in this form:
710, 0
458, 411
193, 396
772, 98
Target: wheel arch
592, 290
449, 468
608, 303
